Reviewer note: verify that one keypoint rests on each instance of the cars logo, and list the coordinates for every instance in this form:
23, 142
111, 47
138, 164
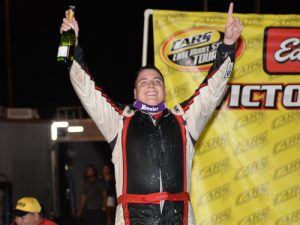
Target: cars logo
194, 49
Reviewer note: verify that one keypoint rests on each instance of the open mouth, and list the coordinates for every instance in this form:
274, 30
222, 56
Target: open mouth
151, 94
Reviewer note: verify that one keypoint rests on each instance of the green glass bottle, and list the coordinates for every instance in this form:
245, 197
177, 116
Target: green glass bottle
67, 41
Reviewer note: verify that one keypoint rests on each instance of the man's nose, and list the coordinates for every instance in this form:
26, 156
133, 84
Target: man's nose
150, 83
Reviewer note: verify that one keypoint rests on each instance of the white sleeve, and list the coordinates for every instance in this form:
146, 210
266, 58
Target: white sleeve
207, 97
100, 108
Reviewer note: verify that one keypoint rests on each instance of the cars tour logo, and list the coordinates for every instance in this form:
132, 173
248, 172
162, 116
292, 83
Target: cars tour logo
194, 49
282, 50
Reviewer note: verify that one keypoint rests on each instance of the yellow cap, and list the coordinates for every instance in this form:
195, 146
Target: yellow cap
27, 205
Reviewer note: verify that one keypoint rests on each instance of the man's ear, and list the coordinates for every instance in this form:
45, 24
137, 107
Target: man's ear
134, 93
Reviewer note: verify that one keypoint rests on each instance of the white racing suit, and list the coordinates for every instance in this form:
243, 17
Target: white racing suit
153, 158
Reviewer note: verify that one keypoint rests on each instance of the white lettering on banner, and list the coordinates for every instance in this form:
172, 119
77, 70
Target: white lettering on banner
290, 92
196, 51
204, 58
180, 55
287, 52
191, 41
241, 96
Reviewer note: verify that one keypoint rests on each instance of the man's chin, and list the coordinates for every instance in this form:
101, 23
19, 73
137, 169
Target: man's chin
152, 102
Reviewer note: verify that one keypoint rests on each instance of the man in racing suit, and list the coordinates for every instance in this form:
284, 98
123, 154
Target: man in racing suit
153, 146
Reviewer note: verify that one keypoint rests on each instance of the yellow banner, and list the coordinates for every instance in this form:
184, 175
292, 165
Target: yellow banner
246, 168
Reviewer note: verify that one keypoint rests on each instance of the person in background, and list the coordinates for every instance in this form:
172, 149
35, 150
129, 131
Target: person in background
152, 145
92, 197
109, 180
28, 211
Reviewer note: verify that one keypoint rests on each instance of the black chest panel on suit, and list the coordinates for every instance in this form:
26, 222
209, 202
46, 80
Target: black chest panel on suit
154, 152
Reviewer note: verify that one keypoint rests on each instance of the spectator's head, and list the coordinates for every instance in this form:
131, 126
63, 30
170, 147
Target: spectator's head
90, 172
107, 172
28, 211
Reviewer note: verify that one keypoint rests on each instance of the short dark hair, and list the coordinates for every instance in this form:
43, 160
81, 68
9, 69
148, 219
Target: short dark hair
151, 67
92, 167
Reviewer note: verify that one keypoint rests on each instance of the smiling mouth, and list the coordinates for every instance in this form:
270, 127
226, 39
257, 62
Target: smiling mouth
151, 94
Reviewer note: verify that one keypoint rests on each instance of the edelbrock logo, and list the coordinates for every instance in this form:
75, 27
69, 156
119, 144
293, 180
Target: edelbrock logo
287, 51
282, 50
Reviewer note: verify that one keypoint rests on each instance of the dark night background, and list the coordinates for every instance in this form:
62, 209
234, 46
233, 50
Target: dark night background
111, 34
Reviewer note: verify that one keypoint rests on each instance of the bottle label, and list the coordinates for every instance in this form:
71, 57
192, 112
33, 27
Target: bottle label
62, 51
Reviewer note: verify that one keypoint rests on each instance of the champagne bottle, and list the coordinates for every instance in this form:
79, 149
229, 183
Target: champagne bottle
67, 41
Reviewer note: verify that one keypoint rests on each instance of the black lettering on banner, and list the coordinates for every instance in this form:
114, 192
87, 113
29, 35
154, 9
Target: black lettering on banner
291, 192
214, 194
191, 41
286, 119
289, 219
218, 167
287, 169
222, 217
252, 168
286, 144
255, 218
254, 193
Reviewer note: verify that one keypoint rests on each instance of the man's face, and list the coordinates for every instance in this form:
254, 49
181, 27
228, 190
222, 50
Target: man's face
28, 219
150, 87
90, 172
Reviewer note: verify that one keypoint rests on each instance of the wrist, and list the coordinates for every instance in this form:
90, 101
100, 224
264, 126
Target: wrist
228, 41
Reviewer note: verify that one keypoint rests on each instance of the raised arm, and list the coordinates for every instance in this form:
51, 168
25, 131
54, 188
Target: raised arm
210, 92
104, 111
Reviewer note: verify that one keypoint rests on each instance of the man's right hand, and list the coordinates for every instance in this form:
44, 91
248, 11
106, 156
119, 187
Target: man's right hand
67, 25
